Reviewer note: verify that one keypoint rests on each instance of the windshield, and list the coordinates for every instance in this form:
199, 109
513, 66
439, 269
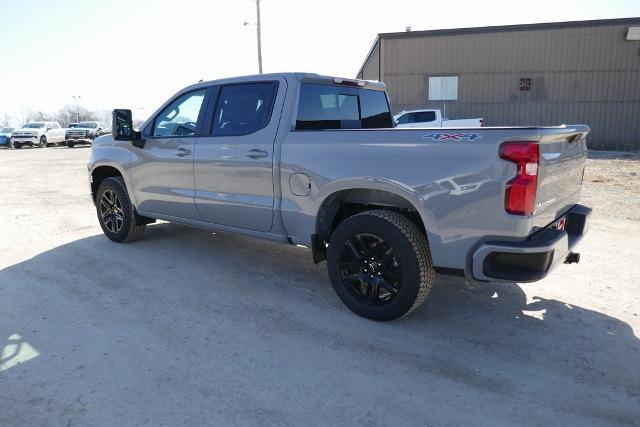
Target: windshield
34, 125
87, 125
6, 130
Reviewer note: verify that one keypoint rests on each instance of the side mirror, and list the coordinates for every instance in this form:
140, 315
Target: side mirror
122, 128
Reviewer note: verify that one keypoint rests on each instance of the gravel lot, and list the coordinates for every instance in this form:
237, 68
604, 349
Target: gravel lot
190, 327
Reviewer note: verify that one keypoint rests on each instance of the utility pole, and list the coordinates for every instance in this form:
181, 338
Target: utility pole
77, 98
257, 24
258, 32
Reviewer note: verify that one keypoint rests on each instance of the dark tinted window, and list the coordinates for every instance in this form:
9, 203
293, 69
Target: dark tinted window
243, 109
423, 116
375, 109
180, 117
328, 107
339, 107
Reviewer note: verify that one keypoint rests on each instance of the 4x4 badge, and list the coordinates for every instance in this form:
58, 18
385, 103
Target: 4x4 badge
452, 136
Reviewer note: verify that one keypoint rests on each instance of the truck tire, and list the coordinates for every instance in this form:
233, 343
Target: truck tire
17, 146
116, 213
380, 264
43, 141
71, 144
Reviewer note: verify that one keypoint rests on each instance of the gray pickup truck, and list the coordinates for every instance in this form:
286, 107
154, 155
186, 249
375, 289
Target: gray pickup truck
316, 161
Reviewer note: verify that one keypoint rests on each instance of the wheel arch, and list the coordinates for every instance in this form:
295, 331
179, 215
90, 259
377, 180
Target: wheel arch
350, 198
102, 172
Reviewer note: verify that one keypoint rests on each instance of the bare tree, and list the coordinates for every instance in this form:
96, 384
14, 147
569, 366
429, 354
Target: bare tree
25, 115
70, 114
5, 120
41, 116
65, 115
104, 116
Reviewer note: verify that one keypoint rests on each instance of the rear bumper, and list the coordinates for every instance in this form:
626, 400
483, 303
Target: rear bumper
534, 258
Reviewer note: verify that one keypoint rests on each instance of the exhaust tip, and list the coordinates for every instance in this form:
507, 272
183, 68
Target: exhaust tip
572, 258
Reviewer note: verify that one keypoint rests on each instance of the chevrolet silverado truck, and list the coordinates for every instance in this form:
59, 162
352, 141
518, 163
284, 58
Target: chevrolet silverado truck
84, 133
316, 161
432, 118
37, 134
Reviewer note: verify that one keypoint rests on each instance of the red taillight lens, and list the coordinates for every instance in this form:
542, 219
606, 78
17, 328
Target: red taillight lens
481, 122
520, 196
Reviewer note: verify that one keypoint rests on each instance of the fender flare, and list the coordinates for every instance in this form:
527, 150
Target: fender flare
381, 184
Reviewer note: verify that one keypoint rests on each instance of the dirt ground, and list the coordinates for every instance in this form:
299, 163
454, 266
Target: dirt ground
189, 327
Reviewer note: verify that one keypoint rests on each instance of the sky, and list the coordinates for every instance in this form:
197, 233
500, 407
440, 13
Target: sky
137, 53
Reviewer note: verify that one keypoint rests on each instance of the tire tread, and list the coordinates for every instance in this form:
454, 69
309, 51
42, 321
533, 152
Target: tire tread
420, 246
135, 231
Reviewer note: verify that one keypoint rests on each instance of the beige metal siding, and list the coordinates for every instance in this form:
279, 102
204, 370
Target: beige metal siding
371, 68
585, 75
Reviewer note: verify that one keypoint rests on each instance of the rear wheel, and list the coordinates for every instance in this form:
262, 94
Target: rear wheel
71, 144
17, 145
380, 265
43, 141
116, 213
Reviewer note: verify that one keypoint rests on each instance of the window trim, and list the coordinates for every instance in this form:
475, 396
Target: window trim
213, 106
148, 130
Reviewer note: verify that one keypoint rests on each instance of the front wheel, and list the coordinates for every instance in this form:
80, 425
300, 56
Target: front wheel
380, 265
43, 142
116, 213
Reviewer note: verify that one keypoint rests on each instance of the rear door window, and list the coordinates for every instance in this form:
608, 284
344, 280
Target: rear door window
243, 109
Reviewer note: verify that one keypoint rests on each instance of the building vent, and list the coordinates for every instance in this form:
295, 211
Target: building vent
634, 33
525, 84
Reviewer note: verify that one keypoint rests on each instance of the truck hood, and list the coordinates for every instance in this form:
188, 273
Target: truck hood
33, 131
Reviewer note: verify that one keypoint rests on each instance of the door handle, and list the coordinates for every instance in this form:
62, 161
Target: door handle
181, 152
256, 154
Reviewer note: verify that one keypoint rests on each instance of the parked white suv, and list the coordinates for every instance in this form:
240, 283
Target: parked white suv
38, 134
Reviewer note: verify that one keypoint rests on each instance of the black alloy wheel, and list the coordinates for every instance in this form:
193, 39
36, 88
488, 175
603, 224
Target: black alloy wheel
380, 264
370, 270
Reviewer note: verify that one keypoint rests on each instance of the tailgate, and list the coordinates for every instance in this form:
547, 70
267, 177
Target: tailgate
563, 154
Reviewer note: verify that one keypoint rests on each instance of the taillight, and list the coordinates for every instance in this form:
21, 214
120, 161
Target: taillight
520, 195
481, 122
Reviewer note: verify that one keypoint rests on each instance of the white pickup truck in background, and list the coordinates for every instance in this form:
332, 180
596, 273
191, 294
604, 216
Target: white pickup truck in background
432, 118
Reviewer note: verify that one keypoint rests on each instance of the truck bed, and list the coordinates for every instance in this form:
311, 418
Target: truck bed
454, 179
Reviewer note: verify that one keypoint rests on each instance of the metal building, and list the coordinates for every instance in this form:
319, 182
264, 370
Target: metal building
539, 74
